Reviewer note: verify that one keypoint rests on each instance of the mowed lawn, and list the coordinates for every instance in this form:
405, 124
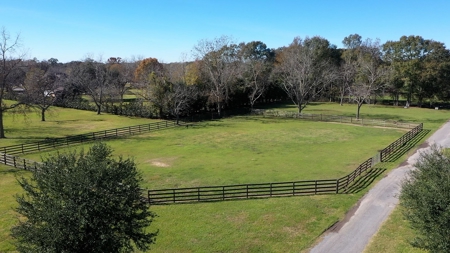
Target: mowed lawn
242, 150
249, 150
60, 122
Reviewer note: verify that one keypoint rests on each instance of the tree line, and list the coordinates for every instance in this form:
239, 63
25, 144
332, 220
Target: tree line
223, 74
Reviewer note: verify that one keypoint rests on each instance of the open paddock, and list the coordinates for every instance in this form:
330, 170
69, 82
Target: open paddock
244, 150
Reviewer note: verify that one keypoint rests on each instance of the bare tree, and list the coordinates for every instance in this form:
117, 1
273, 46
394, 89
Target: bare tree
369, 75
218, 64
120, 75
40, 88
255, 68
304, 69
93, 78
179, 97
10, 64
347, 73
348, 66
181, 93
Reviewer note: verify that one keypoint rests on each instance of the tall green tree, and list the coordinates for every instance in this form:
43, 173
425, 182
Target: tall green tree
85, 202
434, 77
416, 62
425, 201
406, 55
152, 83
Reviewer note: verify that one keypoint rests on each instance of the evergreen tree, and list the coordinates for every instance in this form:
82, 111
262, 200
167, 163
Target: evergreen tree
425, 198
83, 202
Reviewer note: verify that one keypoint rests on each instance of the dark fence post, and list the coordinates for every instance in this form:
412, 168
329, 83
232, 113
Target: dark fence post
337, 186
148, 194
174, 196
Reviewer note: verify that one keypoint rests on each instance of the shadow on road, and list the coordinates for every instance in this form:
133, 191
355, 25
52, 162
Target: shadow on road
365, 180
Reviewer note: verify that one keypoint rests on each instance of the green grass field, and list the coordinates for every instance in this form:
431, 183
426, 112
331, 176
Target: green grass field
240, 150
250, 150
60, 122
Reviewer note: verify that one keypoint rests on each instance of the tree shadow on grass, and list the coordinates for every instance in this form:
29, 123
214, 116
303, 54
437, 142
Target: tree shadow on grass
11, 170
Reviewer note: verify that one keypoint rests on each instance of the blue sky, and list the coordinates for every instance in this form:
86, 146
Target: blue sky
165, 29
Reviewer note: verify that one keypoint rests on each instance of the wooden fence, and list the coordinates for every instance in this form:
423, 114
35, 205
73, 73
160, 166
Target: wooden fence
265, 190
76, 139
19, 163
244, 191
345, 182
261, 190
208, 193
396, 145
335, 118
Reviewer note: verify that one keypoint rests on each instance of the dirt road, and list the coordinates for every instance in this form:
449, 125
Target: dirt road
353, 233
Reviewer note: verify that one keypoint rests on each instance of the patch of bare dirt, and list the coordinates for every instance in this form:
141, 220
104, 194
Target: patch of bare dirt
165, 162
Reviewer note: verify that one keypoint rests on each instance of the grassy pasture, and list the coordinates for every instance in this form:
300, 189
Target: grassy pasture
244, 150
431, 118
250, 150
60, 122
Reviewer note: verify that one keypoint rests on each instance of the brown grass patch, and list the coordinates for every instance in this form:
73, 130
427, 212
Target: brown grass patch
239, 218
163, 162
